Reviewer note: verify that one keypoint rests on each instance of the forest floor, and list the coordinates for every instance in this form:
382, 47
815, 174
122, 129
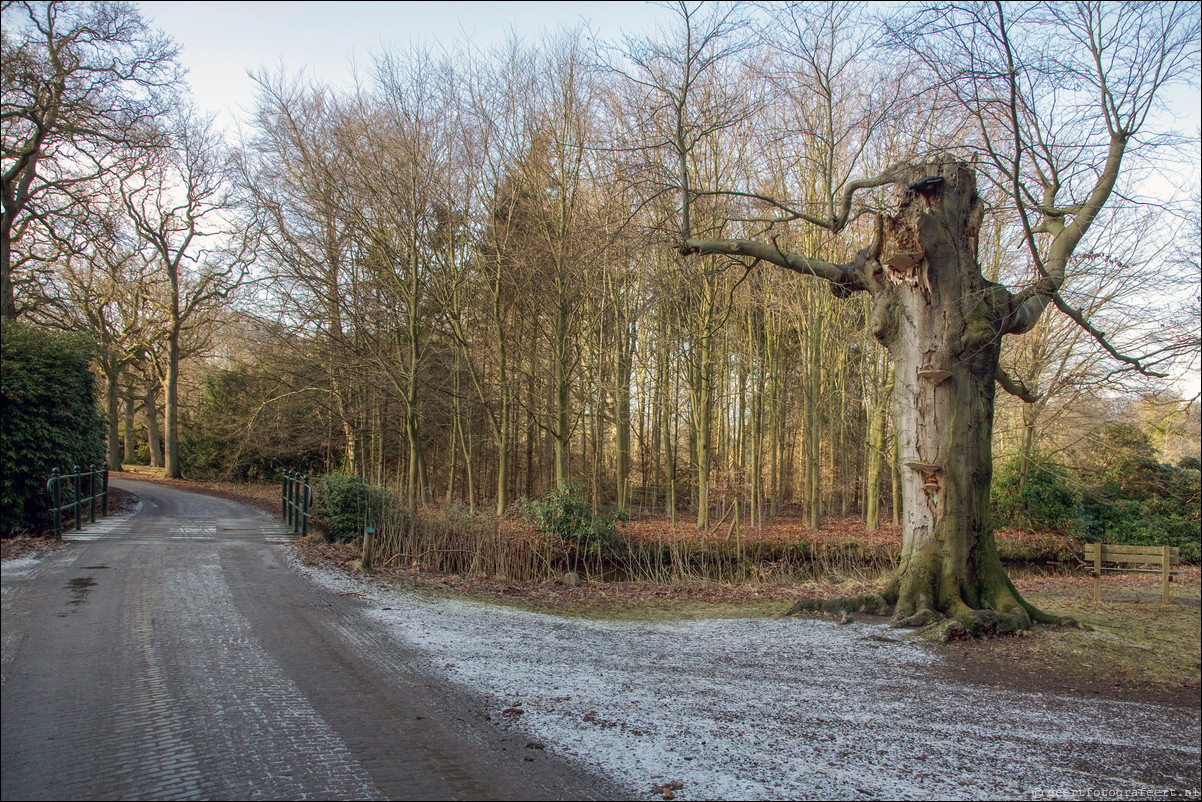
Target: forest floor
1131, 647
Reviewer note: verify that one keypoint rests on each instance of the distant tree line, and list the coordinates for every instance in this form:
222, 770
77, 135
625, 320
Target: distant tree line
464, 278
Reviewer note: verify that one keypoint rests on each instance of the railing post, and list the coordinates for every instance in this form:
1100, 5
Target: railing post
57, 495
284, 496
104, 498
304, 512
295, 504
78, 504
91, 492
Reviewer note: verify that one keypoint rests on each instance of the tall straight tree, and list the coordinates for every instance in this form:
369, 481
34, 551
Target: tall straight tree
932, 308
294, 173
687, 97
184, 212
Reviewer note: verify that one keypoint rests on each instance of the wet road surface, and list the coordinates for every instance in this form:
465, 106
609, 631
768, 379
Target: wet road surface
175, 654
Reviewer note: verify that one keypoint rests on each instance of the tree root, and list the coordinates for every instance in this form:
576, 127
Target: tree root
871, 603
965, 623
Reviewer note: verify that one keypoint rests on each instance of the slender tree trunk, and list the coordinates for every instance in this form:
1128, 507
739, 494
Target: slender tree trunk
814, 425
153, 443
623, 367
560, 434
112, 399
469, 468
1028, 445
171, 409
877, 417
703, 403
128, 408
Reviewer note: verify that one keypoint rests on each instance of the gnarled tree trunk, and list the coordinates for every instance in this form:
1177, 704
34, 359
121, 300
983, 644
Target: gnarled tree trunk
942, 322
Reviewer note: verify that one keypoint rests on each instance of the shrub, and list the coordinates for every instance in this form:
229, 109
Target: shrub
1044, 503
1156, 521
50, 418
340, 504
562, 512
244, 428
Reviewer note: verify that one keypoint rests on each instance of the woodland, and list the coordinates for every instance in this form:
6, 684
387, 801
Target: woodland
770, 262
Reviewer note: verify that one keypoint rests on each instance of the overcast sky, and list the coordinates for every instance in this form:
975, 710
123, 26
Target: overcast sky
222, 40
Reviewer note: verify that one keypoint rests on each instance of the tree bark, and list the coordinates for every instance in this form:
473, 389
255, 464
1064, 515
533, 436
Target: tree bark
171, 408
112, 404
128, 405
942, 322
153, 444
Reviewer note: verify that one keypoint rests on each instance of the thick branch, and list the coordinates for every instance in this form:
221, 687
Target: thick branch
1032, 300
842, 275
837, 222
1015, 387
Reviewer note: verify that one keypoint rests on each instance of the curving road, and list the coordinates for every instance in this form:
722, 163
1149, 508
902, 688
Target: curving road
174, 654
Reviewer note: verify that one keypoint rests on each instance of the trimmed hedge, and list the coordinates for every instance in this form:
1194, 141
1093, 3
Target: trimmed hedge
49, 418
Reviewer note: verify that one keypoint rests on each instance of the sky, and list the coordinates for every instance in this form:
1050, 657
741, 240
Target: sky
221, 41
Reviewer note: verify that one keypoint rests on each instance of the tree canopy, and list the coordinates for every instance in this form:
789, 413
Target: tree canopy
484, 274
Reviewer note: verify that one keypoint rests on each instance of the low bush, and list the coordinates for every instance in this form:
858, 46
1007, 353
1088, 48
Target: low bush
564, 513
340, 505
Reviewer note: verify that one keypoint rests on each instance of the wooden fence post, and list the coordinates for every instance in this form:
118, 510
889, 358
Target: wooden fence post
1166, 561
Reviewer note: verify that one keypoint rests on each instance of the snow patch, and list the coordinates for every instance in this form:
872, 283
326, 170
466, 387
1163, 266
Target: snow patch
781, 708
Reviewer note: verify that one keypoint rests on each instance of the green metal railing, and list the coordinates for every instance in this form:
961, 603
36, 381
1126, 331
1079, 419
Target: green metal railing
295, 499
75, 486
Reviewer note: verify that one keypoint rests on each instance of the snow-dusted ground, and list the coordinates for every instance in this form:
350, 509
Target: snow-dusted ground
784, 708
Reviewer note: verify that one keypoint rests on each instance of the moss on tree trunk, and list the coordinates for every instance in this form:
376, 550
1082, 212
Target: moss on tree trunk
942, 322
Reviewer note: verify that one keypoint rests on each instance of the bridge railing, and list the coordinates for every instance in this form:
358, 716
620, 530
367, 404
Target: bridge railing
296, 497
93, 481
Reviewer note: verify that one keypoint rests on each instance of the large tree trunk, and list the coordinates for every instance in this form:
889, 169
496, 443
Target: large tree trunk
942, 322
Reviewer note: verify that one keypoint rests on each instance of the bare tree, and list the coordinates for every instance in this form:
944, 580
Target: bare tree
294, 173
105, 291
81, 83
932, 308
184, 212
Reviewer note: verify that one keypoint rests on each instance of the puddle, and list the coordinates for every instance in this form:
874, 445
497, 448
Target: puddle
81, 585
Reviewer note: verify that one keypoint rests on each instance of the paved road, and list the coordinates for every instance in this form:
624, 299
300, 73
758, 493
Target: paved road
173, 654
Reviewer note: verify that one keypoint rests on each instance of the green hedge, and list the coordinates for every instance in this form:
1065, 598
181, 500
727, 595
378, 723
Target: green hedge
340, 505
49, 420
1123, 495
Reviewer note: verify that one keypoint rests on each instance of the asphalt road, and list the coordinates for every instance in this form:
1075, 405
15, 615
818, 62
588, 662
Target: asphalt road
174, 654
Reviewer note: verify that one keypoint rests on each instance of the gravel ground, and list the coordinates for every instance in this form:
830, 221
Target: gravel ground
783, 708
